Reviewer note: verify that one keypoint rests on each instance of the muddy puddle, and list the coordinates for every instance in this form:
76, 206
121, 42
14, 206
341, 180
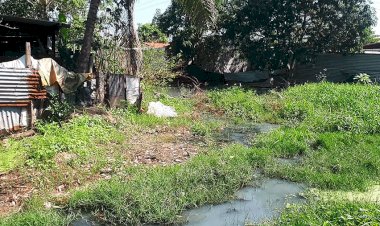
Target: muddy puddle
86, 220
251, 206
245, 134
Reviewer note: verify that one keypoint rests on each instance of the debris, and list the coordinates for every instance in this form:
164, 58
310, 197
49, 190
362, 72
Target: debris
160, 110
19, 136
106, 170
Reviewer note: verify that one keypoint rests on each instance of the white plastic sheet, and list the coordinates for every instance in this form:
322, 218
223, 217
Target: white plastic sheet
133, 89
160, 110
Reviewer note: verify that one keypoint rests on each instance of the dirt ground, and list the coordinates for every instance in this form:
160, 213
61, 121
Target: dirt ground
14, 189
159, 146
163, 146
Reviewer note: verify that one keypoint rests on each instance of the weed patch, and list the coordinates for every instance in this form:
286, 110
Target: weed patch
80, 136
331, 213
158, 195
343, 161
35, 218
327, 107
238, 103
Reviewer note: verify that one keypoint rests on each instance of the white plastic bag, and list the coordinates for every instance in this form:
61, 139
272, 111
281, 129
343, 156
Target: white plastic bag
160, 110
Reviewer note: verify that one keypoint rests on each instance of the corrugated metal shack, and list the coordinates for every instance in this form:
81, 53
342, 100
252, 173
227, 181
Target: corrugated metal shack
15, 31
340, 68
21, 99
22, 96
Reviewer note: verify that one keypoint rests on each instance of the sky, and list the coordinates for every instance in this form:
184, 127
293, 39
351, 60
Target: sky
145, 10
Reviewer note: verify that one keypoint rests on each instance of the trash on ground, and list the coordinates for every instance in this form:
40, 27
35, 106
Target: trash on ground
158, 109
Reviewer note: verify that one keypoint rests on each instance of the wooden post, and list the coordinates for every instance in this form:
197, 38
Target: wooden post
91, 63
53, 40
28, 55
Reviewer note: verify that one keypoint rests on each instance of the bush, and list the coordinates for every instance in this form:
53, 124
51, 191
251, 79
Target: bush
58, 110
158, 67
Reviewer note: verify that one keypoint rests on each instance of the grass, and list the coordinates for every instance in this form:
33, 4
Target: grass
159, 195
331, 130
331, 213
35, 218
326, 107
34, 214
239, 103
327, 160
80, 136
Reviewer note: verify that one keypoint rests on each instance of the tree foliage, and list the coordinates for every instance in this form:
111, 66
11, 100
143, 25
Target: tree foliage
275, 34
175, 24
201, 12
151, 33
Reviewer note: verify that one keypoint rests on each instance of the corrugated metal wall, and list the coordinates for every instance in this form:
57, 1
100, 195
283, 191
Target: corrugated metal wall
340, 68
13, 118
18, 89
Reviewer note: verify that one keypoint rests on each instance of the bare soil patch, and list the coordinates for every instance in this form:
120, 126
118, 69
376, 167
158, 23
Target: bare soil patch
14, 189
164, 146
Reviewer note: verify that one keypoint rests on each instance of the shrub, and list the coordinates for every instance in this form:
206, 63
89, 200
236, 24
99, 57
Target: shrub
363, 78
158, 67
58, 110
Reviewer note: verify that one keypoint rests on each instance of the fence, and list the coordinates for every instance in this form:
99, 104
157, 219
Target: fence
340, 68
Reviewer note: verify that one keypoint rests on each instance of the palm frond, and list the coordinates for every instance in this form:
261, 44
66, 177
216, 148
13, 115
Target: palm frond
201, 12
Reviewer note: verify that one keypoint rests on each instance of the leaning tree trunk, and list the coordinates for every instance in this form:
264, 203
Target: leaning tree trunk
84, 56
134, 52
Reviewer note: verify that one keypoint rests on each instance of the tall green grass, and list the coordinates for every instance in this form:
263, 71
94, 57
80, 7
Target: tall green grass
159, 195
327, 107
328, 160
81, 136
331, 213
35, 218
239, 103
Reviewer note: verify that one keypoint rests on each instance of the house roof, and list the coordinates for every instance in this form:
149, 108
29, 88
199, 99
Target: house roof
156, 45
41, 23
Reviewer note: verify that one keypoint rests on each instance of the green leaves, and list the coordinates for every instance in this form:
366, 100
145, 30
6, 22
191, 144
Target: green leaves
151, 33
201, 12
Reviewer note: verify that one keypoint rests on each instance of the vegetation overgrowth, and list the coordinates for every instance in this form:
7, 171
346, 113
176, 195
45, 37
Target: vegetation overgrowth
324, 150
331, 213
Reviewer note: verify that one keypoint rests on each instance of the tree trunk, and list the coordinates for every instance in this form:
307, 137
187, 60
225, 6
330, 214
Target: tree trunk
84, 56
134, 52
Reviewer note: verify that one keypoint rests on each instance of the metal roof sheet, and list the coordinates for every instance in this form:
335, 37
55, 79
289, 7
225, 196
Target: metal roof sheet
43, 23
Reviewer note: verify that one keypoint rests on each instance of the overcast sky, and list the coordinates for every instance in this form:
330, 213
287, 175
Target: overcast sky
145, 10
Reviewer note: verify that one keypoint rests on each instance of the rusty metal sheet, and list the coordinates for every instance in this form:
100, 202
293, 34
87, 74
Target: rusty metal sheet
13, 119
20, 85
18, 89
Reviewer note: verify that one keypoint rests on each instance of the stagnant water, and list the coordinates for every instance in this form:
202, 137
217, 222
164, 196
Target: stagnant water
245, 135
253, 205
